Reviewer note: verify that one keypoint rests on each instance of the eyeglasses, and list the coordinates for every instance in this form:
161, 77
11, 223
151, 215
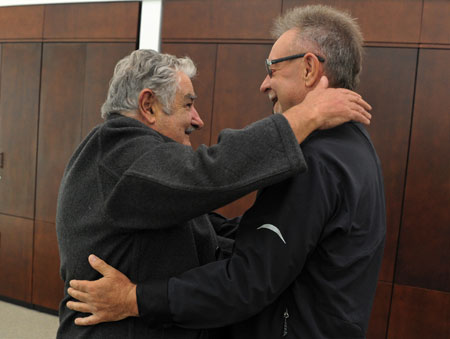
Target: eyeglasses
290, 57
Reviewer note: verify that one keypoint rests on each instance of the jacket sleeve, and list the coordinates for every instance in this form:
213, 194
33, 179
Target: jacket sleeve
226, 231
272, 243
172, 183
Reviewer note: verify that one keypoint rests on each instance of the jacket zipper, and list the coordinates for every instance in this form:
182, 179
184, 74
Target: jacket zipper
285, 328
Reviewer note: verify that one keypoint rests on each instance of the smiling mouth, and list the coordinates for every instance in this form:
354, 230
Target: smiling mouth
274, 101
189, 130
273, 98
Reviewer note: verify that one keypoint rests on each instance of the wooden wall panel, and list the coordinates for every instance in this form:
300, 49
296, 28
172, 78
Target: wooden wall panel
436, 22
92, 21
219, 19
60, 120
380, 21
380, 312
1, 131
237, 101
48, 288
21, 22
16, 250
101, 58
65, 106
204, 56
240, 71
424, 249
387, 83
19, 104
419, 313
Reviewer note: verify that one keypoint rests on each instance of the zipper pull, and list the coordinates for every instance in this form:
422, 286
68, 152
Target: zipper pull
286, 316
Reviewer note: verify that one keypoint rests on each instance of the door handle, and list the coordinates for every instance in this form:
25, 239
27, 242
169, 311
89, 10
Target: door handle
1, 159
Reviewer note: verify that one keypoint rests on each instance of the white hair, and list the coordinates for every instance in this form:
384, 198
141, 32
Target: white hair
145, 69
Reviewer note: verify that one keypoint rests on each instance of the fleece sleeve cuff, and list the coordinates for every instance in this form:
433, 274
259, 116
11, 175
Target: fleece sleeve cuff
289, 142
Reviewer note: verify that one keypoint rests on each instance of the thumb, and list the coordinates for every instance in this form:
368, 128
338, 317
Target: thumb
323, 83
99, 265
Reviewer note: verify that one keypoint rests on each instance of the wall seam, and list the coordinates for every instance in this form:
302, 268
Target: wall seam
421, 23
43, 23
213, 96
394, 280
36, 166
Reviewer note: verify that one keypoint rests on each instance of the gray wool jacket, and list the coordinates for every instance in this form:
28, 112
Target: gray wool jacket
138, 199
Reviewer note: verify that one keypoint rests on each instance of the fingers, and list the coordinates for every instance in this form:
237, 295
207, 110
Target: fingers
82, 307
361, 118
81, 296
86, 321
323, 83
359, 107
360, 115
366, 115
363, 104
81, 285
79, 306
100, 266
355, 97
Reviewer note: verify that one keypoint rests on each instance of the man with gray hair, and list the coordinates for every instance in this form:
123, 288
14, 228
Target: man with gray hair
136, 193
308, 253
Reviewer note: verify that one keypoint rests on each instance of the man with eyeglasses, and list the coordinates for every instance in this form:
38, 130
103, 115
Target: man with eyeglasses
307, 254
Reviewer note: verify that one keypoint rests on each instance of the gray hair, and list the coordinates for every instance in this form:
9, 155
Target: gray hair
141, 69
331, 33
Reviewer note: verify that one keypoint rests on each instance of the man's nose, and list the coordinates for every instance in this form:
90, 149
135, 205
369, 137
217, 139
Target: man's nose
196, 121
265, 86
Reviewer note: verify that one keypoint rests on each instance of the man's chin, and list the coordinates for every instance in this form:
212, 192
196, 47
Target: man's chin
187, 142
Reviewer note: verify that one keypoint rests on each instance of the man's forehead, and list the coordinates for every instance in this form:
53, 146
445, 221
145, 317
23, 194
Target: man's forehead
185, 87
284, 44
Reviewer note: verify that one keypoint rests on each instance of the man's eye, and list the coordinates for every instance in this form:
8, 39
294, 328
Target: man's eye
189, 105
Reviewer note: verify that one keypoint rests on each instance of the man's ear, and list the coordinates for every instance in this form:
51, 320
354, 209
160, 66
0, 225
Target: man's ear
313, 70
146, 104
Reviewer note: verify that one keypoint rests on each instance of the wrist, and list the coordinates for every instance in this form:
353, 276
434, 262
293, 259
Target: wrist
302, 121
132, 302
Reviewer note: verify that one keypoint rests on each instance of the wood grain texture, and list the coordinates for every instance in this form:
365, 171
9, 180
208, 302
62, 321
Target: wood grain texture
237, 100
204, 57
16, 256
63, 72
19, 111
92, 21
218, 19
101, 58
436, 22
48, 287
239, 74
387, 83
424, 249
21, 22
419, 313
381, 20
